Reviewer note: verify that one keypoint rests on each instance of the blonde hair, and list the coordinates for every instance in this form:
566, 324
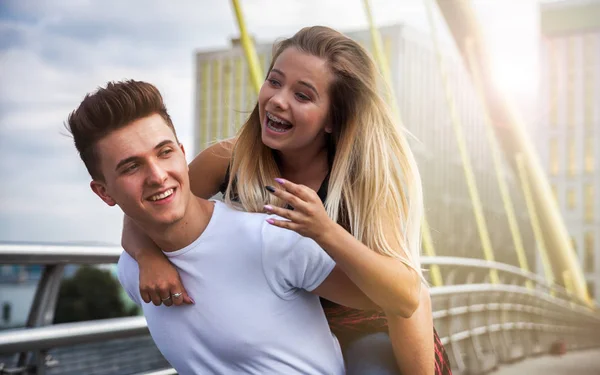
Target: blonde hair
374, 186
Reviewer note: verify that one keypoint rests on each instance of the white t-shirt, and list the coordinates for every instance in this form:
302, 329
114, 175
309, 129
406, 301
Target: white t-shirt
254, 313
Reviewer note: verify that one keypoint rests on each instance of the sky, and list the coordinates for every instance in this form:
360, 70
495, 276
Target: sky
54, 52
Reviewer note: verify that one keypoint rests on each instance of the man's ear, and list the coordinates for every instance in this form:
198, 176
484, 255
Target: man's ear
99, 188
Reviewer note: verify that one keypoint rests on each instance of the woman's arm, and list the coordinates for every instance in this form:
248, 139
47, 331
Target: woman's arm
413, 339
158, 277
338, 287
387, 281
208, 169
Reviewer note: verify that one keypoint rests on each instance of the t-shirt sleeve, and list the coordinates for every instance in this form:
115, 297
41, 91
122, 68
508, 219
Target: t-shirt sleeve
128, 273
292, 262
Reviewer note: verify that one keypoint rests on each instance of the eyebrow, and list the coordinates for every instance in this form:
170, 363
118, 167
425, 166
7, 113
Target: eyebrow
304, 83
135, 158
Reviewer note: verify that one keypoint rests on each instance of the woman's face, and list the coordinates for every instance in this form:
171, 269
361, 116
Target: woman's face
294, 101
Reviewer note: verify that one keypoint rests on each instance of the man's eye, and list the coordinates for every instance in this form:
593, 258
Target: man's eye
131, 168
166, 152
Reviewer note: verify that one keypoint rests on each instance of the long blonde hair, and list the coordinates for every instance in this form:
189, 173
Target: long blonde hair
374, 185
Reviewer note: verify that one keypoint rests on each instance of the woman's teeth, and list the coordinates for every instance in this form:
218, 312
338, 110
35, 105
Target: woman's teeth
277, 125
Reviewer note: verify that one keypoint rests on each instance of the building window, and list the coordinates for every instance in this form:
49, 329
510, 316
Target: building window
589, 70
554, 157
589, 203
591, 289
571, 199
387, 48
571, 154
215, 102
238, 88
589, 253
553, 83
225, 100
204, 103
589, 154
571, 69
262, 58
251, 93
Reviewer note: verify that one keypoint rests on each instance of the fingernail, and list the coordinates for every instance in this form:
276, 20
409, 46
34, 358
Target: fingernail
191, 299
270, 188
268, 207
280, 181
270, 221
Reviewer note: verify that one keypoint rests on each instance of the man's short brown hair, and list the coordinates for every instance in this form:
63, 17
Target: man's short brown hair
111, 108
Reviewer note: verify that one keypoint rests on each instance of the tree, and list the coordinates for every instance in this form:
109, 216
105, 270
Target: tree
90, 294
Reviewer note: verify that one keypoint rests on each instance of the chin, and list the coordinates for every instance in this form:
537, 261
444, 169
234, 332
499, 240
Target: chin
170, 219
269, 142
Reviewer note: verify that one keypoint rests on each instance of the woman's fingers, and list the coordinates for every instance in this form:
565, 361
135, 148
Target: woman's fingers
283, 212
304, 193
290, 198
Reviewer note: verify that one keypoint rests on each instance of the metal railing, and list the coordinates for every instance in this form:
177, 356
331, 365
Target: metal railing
480, 323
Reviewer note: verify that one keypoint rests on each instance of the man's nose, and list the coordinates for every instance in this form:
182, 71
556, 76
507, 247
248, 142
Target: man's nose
156, 174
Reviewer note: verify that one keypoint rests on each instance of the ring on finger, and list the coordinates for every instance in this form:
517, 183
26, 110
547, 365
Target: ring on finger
166, 299
176, 295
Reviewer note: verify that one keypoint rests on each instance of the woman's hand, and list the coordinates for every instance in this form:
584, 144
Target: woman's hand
160, 282
308, 218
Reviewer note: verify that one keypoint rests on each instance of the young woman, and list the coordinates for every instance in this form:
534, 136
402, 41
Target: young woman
320, 123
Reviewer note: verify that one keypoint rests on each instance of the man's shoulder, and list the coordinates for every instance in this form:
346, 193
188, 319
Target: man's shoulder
228, 217
254, 225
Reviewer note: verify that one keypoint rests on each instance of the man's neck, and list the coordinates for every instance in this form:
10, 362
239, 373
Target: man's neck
184, 232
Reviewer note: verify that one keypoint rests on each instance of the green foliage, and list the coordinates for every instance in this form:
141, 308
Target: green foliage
91, 293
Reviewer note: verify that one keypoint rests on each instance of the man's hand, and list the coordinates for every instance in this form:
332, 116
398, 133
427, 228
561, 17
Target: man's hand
160, 282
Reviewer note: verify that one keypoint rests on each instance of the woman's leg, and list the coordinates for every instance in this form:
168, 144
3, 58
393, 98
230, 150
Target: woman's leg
413, 339
372, 355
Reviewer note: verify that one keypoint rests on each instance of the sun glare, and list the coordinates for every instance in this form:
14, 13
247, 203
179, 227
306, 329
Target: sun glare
518, 75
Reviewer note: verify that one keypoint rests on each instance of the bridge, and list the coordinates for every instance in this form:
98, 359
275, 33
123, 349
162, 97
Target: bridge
509, 293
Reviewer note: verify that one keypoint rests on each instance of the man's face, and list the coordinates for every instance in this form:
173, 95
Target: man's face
145, 172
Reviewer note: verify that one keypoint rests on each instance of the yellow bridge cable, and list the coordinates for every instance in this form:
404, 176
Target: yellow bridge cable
535, 223
254, 69
497, 160
464, 153
436, 275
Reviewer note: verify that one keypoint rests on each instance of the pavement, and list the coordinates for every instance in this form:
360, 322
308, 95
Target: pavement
585, 362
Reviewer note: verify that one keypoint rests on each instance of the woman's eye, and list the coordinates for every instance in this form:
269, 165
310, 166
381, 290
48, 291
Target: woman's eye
273, 82
302, 96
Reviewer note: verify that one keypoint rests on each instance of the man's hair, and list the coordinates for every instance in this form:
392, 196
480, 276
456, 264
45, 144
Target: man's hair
109, 109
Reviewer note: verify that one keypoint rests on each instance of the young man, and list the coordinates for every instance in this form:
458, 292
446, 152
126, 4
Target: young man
256, 285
